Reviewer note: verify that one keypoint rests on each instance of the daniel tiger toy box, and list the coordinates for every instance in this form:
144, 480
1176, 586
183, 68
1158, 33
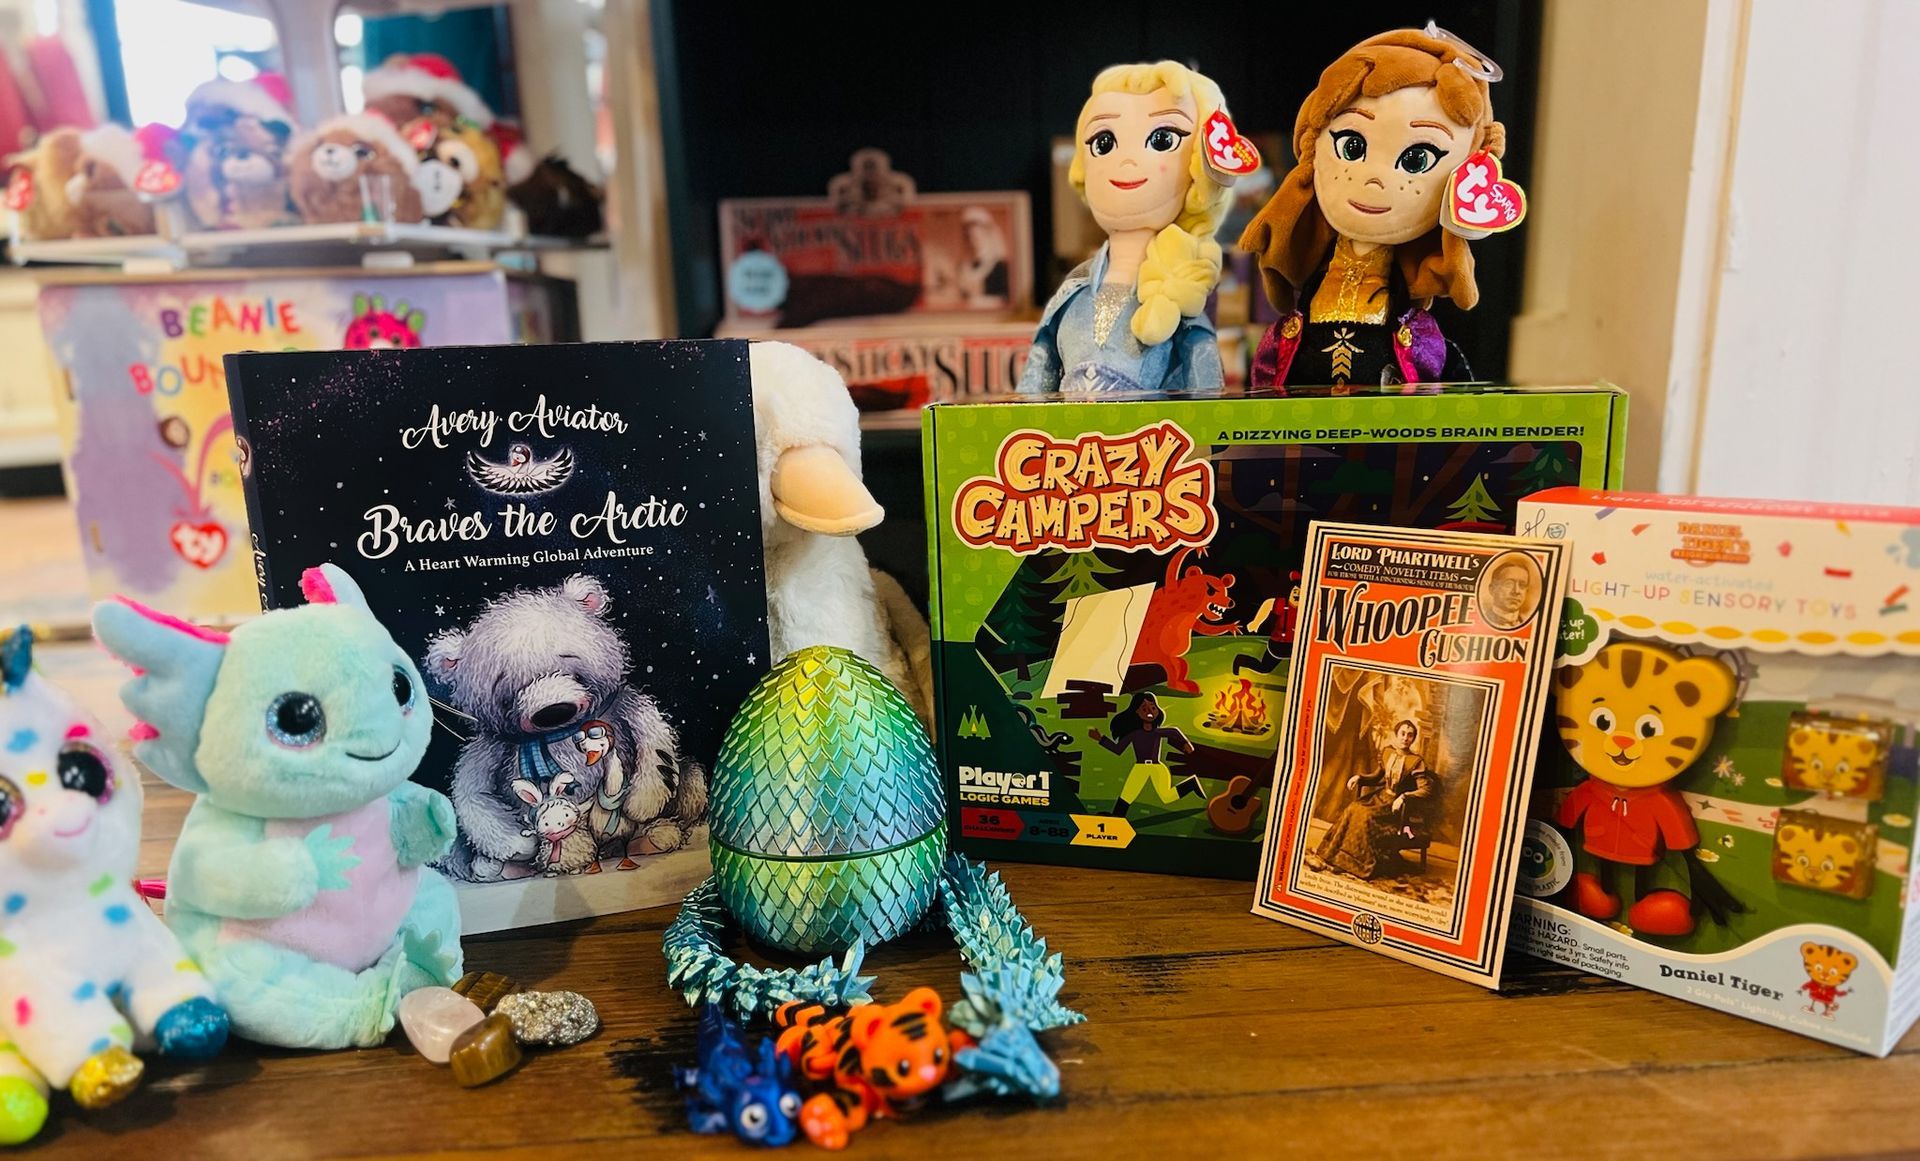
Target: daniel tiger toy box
1724, 807
1114, 588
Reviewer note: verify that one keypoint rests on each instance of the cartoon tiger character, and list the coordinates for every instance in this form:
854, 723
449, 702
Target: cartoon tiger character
1810, 852
1634, 718
881, 1058
1827, 968
1839, 761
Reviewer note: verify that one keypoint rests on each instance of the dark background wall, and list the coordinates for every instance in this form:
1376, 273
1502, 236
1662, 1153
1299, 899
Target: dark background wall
771, 100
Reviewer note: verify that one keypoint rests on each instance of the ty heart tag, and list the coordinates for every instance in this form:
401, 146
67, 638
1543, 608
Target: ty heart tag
1480, 201
20, 190
1228, 154
157, 179
420, 133
201, 545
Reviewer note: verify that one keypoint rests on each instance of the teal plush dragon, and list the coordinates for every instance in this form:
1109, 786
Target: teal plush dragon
300, 883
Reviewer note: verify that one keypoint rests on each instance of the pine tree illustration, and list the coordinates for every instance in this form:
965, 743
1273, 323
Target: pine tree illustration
1076, 576
1475, 506
1548, 467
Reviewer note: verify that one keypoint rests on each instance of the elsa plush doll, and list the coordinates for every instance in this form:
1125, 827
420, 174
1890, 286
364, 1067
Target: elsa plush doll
1132, 317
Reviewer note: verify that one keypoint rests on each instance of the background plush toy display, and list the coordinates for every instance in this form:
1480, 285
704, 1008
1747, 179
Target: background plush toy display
558, 201
299, 881
37, 187
326, 165
105, 203
85, 968
1351, 245
231, 154
1133, 317
407, 86
820, 590
458, 173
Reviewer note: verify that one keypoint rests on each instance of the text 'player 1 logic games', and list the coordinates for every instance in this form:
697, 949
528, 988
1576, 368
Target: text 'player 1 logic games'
1113, 591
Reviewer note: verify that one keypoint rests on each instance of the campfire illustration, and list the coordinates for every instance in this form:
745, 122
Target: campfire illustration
1239, 710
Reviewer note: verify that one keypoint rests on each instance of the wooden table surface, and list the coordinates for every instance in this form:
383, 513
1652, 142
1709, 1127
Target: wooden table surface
1209, 1032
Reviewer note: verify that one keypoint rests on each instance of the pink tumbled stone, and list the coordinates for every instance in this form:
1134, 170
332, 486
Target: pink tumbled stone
434, 1018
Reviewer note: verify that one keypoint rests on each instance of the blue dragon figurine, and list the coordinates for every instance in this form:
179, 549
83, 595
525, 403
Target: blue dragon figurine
733, 1089
300, 883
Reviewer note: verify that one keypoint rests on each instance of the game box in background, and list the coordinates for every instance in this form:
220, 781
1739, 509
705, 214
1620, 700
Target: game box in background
1089, 556
1724, 809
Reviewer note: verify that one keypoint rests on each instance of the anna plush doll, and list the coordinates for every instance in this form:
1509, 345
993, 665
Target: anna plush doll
1148, 160
1352, 244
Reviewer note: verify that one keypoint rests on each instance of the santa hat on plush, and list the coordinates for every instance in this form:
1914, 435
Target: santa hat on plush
265, 98
428, 76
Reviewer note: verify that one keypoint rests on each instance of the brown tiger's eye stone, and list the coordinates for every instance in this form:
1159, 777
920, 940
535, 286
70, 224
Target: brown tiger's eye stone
485, 1052
486, 988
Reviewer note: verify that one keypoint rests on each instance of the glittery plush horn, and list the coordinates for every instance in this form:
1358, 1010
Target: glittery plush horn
16, 659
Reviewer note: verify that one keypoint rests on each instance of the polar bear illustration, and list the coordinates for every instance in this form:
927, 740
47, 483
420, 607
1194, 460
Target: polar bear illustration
538, 670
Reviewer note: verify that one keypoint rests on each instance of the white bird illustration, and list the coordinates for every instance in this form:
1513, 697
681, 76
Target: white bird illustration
521, 475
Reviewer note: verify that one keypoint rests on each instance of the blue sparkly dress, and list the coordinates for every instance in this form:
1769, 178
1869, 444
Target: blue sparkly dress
1085, 344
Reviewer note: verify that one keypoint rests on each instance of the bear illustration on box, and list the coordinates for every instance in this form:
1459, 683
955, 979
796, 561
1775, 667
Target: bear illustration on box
543, 676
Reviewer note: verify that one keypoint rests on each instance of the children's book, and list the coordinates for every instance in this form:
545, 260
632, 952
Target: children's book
1407, 745
566, 541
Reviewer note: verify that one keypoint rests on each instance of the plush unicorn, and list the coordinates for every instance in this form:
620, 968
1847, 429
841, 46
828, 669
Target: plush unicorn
85, 968
300, 882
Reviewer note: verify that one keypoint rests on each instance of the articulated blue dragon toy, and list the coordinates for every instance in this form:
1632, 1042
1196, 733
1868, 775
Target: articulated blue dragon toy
300, 883
749, 1093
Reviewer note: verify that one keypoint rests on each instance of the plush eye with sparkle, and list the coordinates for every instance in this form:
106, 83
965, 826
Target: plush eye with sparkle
1418, 158
1102, 143
83, 768
1349, 145
403, 692
1165, 139
296, 721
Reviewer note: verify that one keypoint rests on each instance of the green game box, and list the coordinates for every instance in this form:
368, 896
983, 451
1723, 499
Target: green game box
1113, 591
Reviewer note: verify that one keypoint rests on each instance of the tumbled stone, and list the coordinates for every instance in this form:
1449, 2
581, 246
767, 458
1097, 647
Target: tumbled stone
433, 1018
486, 988
485, 1052
552, 1019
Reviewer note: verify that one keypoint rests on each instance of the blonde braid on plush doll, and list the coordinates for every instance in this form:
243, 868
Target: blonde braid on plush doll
1183, 261
1140, 165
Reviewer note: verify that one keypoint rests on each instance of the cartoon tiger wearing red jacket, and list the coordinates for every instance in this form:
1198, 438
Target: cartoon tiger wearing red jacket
881, 1058
1636, 717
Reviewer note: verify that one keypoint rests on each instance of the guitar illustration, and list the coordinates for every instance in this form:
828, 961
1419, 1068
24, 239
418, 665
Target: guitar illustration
1235, 810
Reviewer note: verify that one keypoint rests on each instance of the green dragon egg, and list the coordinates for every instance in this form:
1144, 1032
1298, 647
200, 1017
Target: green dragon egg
828, 817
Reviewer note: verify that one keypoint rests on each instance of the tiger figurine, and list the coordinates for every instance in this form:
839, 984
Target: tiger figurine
1827, 968
1835, 758
1634, 718
1811, 850
882, 1060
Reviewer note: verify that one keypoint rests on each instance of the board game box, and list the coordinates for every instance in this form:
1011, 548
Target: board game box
1407, 749
1083, 553
566, 541
1724, 809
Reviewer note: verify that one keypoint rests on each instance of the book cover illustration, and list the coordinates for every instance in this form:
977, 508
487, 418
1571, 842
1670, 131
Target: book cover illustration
1419, 682
566, 540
